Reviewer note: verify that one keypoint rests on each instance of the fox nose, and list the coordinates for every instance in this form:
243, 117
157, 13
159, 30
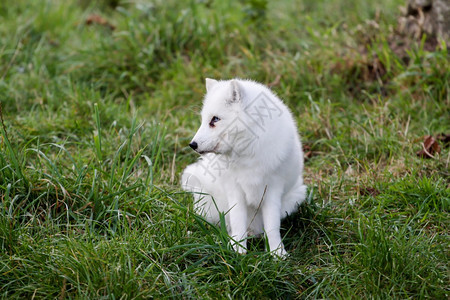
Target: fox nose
193, 145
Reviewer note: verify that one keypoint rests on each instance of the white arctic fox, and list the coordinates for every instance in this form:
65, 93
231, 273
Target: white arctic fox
251, 161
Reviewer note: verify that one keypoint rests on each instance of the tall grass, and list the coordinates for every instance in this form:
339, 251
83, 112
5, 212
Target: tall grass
96, 118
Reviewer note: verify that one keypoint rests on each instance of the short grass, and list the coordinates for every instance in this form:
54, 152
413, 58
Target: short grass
97, 117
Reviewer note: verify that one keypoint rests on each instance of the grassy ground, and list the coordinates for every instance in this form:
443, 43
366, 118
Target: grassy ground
98, 112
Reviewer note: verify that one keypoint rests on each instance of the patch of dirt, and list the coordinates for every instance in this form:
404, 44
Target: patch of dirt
369, 191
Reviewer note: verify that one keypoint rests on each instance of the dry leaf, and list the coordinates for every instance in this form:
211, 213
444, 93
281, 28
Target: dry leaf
307, 152
430, 147
99, 20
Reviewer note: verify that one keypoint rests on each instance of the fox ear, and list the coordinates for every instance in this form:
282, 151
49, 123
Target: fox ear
236, 91
210, 83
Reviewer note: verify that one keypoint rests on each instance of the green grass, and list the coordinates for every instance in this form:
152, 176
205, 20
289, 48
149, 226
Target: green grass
97, 120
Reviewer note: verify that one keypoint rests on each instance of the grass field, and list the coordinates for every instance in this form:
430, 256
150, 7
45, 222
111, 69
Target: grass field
98, 106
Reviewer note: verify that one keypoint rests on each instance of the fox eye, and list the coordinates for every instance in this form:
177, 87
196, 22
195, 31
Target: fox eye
213, 121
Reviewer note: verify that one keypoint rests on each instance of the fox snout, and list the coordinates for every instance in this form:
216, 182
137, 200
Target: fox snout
193, 145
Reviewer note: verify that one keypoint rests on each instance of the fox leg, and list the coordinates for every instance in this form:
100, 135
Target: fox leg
238, 220
271, 211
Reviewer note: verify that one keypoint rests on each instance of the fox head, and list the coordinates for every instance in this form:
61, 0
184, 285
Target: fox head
225, 128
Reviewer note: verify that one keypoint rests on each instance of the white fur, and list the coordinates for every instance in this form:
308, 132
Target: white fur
252, 162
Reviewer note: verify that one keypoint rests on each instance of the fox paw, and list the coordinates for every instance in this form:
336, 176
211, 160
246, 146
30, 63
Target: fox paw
280, 253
